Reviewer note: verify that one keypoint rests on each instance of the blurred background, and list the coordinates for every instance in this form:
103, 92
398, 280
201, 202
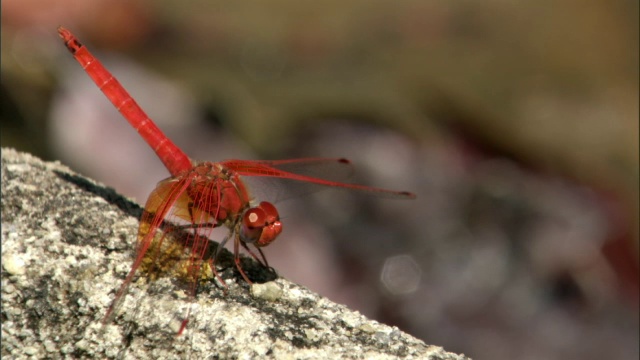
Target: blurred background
515, 123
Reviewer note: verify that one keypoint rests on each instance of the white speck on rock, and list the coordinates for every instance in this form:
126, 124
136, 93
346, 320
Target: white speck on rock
351, 321
30, 350
368, 328
70, 259
49, 346
269, 291
18, 168
14, 264
312, 335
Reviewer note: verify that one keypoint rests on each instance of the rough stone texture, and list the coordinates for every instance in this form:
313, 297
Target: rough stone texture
67, 245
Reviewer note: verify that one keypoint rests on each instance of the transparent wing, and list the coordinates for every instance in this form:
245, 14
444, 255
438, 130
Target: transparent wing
173, 236
277, 180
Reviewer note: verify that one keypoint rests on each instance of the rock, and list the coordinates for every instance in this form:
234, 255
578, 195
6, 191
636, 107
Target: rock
68, 242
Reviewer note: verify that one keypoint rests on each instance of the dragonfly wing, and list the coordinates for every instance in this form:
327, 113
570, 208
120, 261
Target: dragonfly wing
332, 169
186, 220
159, 204
278, 180
261, 176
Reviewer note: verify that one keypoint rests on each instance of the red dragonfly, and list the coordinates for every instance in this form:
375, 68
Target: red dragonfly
201, 196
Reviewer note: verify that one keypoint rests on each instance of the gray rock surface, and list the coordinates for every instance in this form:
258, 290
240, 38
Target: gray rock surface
68, 242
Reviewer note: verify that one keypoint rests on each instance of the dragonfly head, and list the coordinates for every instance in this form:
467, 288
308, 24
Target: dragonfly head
260, 225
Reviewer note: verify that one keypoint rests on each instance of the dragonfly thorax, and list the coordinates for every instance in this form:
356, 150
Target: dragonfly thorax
217, 191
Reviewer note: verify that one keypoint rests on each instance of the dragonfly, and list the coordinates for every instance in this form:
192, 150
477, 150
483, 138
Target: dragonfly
201, 196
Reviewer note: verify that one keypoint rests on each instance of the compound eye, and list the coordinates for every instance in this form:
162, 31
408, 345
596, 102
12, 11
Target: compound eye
254, 217
261, 224
270, 211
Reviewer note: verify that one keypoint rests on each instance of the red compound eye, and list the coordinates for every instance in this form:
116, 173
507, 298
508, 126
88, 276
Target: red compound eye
270, 211
254, 217
261, 224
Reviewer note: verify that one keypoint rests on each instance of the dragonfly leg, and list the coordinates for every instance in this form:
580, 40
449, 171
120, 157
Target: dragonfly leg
236, 255
264, 258
184, 323
212, 260
266, 264
262, 261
